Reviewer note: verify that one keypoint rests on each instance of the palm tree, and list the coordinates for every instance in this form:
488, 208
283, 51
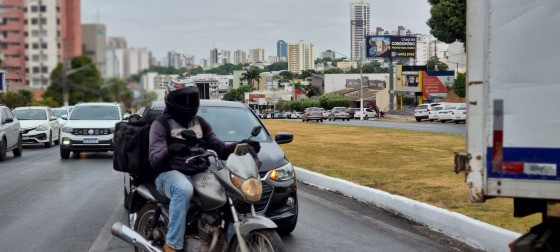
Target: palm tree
251, 75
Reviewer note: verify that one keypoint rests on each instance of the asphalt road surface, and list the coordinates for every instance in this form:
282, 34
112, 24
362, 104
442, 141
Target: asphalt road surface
436, 127
49, 204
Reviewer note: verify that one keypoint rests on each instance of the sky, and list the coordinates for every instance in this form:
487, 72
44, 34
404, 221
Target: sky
196, 26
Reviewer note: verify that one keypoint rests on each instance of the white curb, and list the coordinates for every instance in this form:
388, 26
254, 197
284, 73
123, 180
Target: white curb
476, 233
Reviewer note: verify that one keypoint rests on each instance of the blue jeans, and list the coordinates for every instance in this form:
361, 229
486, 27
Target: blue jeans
178, 187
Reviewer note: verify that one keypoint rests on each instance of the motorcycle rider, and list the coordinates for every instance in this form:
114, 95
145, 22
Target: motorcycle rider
168, 156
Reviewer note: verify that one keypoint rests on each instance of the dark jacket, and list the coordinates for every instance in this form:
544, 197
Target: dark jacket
160, 158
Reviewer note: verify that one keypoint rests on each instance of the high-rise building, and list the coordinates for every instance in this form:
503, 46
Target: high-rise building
281, 49
12, 40
213, 60
328, 54
427, 47
359, 28
300, 57
239, 57
256, 55
70, 28
224, 57
117, 42
175, 59
94, 41
379, 31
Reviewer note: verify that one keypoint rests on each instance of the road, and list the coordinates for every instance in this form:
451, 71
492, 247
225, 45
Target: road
436, 127
50, 204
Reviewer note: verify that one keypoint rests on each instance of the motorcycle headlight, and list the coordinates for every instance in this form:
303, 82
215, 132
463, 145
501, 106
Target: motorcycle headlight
67, 129
41, 127
283, 173
251, 188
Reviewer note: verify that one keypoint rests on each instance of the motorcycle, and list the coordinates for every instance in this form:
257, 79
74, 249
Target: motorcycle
221, 215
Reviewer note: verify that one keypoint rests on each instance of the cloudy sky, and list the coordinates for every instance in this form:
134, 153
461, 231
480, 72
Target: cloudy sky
196, 26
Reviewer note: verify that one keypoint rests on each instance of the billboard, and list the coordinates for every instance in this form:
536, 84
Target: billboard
434, 84
391, 46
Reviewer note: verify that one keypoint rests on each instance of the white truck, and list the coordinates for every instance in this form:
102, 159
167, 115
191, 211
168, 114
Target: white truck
513, 102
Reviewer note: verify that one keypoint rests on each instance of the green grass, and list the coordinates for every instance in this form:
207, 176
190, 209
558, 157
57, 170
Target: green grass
416, 165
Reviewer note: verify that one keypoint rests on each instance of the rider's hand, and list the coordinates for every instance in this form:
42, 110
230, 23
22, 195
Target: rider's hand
177, 148
256, 145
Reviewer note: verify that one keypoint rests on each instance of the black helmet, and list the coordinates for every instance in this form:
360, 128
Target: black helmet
182, 100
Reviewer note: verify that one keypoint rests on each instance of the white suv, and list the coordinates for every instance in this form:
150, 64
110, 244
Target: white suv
10, 138
38, 125
90, 128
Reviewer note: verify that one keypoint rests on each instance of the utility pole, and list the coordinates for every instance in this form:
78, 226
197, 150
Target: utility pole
65, 86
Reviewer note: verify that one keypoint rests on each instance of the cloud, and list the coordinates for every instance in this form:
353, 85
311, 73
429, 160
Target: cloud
196, 26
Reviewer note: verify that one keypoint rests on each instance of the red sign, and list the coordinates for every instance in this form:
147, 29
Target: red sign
431, 85
253, 97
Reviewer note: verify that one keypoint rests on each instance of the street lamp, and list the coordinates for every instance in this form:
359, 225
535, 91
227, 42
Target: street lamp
361, 86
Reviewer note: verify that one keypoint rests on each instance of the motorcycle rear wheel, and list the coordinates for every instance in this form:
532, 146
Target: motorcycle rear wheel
141, 225
260, 240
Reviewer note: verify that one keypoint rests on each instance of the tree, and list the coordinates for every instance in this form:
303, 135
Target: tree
434, 62
286, 76
251, 75
84, 85
224, 69
311, 91
329, 101
306, 74
448, 21
116, 90
277, 66
237, 94
333, 71
20, 98
459, 87
48, 101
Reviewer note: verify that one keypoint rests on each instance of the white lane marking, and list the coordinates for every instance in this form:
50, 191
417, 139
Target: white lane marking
360, 217
105, 236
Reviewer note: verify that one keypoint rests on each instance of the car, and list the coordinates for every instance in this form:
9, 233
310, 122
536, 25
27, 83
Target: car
297, 115
460, 114
422, 111
433, 114
287, 115
447, 113
324, 113
352, 111
59, 112
232, 122
90, 128
39, 125
10, 136
312, 113
339, 113
367, 112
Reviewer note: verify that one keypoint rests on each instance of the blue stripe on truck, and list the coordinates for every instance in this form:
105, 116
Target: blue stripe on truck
526, 155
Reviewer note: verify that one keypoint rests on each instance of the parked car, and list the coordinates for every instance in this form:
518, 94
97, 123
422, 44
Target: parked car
447, 113
433, 114
460, 114
10, 136
232, 122
422, 111
287, 115
312, 113
297, 115
368, 113
39, 125
352, 111
90, 128
326, 114
339, 113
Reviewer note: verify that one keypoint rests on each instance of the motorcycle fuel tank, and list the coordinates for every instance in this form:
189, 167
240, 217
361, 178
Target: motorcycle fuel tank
209, 191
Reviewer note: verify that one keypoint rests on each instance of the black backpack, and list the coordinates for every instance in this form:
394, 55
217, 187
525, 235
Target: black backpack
131, 146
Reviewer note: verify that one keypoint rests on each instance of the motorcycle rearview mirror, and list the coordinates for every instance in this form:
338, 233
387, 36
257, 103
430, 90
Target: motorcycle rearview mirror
256, 131
188, 134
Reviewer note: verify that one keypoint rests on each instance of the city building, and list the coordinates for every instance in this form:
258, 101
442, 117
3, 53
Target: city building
328, 54
213, 60
457, 57
70, 28
239, 57
175, 59
117, 42
281, 49
224, 57
94, 41
427, 47
237, 79
204, 63
359, 28
346, 65
12, 40
300, 57
272, 59
379, 31
256, 55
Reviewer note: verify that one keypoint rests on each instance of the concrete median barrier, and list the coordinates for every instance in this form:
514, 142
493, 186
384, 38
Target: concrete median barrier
475, 233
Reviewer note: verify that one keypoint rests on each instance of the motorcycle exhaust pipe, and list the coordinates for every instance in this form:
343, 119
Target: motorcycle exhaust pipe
130, 236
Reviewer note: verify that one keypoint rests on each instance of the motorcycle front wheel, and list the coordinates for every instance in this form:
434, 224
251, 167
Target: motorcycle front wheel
260, 240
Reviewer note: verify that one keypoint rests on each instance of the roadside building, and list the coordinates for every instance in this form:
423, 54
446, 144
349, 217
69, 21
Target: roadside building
375, 88
300, 57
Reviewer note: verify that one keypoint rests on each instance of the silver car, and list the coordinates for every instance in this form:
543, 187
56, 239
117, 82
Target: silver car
9, 134
312, 113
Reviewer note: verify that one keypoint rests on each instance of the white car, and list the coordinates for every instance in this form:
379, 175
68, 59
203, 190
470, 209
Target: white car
10, 139
90, 128
422, 111
38, 125
296, 115
368, 113
433, 114
460, 114
447, 113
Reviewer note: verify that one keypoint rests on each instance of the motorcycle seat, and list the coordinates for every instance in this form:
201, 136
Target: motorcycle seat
149, 191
